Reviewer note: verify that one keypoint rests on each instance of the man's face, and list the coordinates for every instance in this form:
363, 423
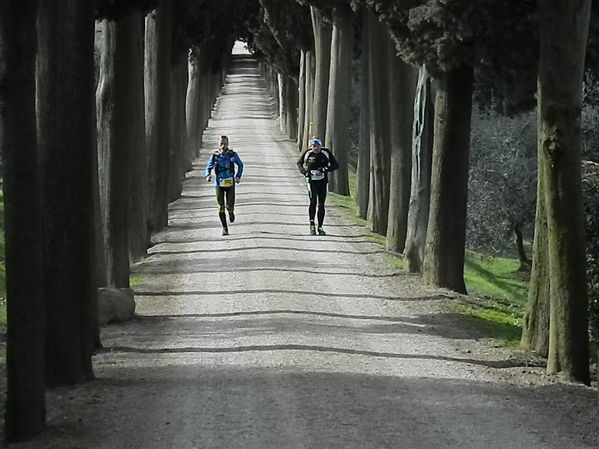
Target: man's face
223, 143
316, 148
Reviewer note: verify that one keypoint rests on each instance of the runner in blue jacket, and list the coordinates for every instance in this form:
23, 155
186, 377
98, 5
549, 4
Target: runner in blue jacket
223, 161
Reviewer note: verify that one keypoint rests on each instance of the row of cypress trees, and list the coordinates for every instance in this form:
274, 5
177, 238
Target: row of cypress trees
102, 109
422, 65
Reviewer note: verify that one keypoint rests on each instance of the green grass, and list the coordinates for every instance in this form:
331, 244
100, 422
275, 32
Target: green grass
135, 280
497, 277
497, 297
348, 205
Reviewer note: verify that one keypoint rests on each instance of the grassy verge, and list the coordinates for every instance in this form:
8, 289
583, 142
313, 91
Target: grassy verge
135, 280
497, 297
348, 205
497, 289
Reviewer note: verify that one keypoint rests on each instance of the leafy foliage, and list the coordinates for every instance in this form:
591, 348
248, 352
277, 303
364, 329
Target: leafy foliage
502, 184
591, 206
213, 25
590, 117
289, 23
443, 34
282, 29
111, 9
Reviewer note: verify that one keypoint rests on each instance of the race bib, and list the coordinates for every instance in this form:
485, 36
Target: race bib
226, 182
316, 175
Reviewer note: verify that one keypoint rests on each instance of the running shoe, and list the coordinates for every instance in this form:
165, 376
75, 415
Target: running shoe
321, 231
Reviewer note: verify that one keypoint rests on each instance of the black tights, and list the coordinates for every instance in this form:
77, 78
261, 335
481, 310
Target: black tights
318, 193
226, 200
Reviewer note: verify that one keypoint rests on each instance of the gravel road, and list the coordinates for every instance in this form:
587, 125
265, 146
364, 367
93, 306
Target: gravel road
272, 338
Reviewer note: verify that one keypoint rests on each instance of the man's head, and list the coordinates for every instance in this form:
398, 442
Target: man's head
315, 144
223, 143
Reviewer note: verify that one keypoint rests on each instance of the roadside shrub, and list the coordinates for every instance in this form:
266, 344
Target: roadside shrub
590, 118
502, 181
590, 185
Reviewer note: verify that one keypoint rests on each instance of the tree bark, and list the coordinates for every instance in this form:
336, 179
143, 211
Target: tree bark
158, 93
291, 103
139, 232
535, 324
563, 33
446, 233
194, 105
519, 240
115, 113
338, 108
67, 139
322, 51
401, 95
25, 399
281, 89
309, 113
420, 190
363, 165
179, 153
378, 208
301, 110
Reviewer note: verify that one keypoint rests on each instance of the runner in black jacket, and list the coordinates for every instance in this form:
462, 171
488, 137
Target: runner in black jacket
314, 164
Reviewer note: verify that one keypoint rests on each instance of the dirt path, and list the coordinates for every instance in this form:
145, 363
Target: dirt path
271, 338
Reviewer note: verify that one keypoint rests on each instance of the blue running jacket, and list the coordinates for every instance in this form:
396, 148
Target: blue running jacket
224, 168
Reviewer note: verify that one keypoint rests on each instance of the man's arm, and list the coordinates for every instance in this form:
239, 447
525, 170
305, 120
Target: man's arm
300, 163
333, 164
237, 161
209, 166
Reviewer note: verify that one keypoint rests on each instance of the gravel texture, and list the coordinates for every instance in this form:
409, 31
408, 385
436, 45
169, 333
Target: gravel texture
272, 338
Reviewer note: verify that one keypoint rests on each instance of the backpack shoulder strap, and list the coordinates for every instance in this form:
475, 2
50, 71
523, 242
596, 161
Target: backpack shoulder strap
308, 152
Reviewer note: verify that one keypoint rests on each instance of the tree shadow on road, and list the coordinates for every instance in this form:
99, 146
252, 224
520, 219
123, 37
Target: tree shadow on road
194, 404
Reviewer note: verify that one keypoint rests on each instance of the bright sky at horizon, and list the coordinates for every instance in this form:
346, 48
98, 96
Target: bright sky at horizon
240, 49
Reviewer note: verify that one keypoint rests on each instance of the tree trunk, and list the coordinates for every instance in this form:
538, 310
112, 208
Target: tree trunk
115, 114
446, 234
378, 208
322, 52
194, 105
67, 139
309, 113
105, 137
338, 109
100, 271
564, 28
420, 190
301, 110
291, 103
282, 106
535, 324
139, 233
179, 153
363, 165
401, 95
519, 240
25, 382
158, 93
207, 86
